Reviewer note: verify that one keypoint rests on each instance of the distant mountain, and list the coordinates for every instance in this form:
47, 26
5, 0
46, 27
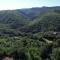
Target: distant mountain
30, 20
34, 12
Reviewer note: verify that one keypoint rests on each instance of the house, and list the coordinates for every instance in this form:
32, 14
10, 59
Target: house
56, 33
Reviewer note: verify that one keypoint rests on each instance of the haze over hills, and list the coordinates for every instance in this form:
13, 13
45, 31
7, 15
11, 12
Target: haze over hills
33, 12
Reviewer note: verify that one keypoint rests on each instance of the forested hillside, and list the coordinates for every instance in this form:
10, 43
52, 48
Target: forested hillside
30, 34
49, 21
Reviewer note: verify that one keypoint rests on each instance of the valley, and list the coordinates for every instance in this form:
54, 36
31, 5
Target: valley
30, 34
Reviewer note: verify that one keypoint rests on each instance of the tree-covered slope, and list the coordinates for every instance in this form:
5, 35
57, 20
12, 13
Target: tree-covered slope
44, 19
49, 21
13, 18
11, 21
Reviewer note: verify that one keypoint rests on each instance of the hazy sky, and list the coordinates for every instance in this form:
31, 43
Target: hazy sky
17, 4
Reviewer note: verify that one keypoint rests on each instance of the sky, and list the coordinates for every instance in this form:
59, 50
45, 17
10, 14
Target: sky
18, 4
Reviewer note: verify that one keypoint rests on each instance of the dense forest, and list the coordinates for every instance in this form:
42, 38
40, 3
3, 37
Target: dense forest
30, 34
